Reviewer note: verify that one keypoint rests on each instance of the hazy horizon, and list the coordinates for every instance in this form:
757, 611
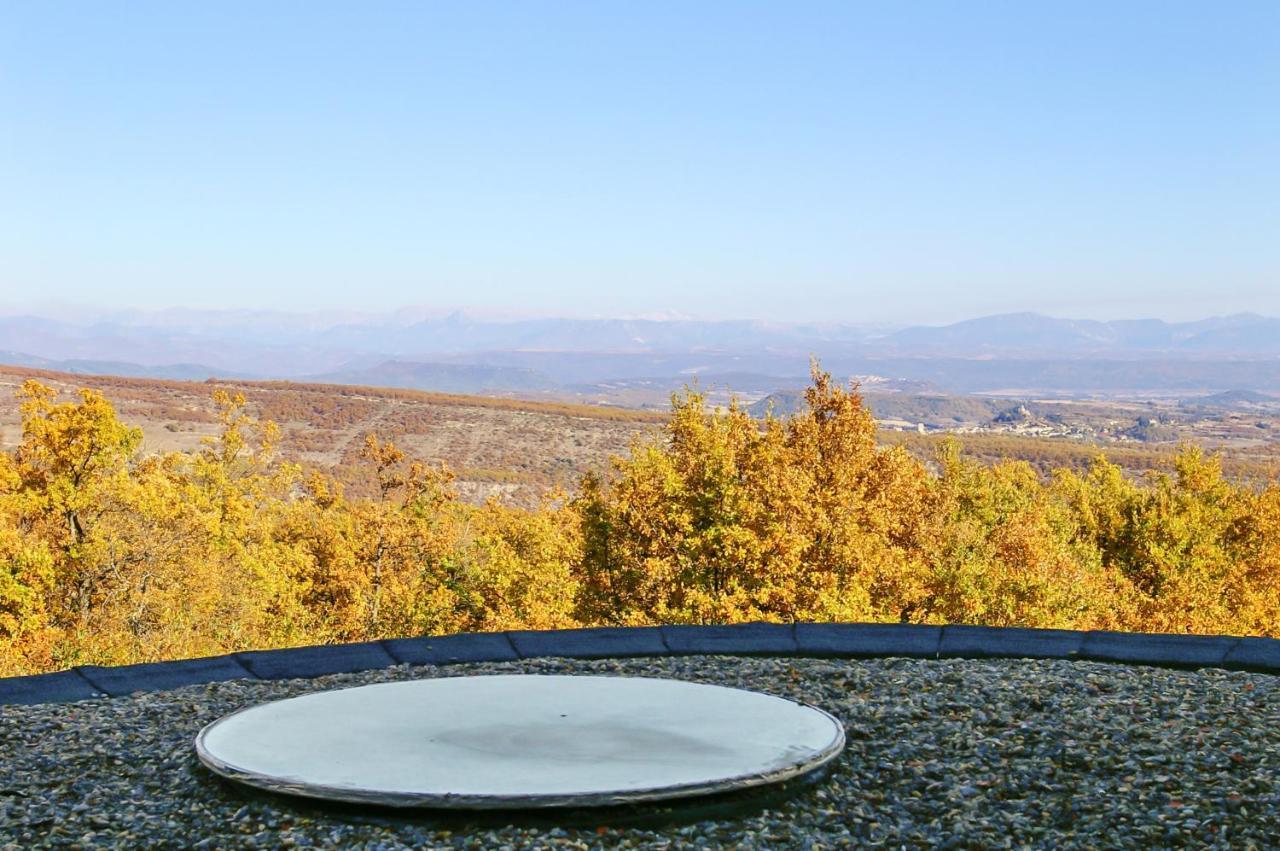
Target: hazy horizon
88, 312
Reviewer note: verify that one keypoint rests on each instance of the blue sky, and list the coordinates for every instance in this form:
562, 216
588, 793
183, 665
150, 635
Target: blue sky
902, 162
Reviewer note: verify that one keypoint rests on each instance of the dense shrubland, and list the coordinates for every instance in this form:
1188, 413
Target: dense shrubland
1258, 466
109, 556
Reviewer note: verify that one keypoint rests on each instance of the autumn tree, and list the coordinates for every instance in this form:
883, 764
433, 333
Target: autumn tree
517, 568
27, 578
726, 518
110, 554
1004, 550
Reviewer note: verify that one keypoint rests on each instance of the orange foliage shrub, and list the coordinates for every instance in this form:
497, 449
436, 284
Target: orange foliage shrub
107, 556
806, 519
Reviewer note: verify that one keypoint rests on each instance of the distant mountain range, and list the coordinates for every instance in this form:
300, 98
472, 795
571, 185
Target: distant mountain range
442, 377
461, 353
1031, 334
128, 369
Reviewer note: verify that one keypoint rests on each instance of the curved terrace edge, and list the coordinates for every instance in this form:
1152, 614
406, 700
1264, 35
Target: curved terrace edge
829, 640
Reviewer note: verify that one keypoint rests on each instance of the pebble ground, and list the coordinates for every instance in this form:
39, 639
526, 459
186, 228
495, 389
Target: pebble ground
951, 754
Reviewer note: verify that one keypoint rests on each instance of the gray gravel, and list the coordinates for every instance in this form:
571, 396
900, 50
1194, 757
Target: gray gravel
960, 754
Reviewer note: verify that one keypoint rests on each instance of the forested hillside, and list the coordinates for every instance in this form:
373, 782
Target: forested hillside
515, 450
109, 554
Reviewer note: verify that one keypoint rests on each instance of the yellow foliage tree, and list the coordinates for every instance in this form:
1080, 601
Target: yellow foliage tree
725, 518
111, 555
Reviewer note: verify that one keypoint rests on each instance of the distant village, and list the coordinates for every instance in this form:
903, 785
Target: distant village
1169, 422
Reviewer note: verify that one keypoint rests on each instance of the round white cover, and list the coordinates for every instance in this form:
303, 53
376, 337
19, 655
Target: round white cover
520, 741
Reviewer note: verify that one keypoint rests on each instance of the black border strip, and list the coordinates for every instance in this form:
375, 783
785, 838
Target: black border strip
831, 640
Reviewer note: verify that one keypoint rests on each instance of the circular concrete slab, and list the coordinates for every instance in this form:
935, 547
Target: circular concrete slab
520, 741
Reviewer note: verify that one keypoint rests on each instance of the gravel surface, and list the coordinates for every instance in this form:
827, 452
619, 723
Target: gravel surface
959, 753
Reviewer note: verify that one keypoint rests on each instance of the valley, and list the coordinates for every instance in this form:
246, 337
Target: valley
517, 450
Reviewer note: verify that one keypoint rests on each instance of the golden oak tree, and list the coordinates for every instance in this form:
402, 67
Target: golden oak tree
109, 554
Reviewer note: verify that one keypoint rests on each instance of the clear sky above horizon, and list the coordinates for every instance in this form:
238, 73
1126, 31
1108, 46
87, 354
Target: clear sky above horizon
917, 162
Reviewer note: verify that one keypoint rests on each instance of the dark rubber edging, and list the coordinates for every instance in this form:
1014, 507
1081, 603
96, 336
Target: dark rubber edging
840, 641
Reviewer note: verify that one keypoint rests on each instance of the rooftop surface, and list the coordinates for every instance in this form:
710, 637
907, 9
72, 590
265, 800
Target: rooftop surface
956, 735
